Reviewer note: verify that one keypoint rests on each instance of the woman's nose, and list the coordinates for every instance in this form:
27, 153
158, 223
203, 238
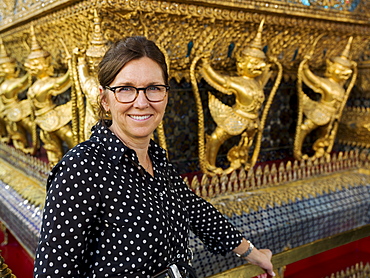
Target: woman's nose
141, 100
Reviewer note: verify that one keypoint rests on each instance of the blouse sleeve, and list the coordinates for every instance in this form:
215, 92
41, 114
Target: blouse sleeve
213, 229
71, 207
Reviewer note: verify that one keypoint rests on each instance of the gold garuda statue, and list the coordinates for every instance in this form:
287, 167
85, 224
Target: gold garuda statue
323, 115
4, 137
86, 62
16, 114
53, 120
245, 117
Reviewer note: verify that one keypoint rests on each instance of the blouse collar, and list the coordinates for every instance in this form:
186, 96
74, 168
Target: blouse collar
116, 149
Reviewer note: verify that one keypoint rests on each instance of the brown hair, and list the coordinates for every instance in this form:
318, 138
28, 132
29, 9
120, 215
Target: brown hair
124, 51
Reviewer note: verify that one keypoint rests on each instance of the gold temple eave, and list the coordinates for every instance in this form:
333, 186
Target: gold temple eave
33, 13
20, 13
188, 22
288, 8
304, 251
162, 21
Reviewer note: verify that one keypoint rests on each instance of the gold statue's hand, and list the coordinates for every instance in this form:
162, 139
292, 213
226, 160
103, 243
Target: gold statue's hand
307, 57
79, 53
68, 56
272, 59
206, 55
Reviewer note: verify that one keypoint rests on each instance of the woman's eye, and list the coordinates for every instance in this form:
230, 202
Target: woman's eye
153, 88
124, 89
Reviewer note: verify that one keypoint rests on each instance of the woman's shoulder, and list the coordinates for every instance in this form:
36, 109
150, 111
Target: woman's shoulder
83, 153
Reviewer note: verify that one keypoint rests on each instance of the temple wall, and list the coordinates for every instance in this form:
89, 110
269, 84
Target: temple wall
279, 201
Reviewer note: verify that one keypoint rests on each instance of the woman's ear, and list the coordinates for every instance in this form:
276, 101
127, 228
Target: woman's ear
103, 98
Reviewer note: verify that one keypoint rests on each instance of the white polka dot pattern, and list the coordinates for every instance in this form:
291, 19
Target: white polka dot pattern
105, 216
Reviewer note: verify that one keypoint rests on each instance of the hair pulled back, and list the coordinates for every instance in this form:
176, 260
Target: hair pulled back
126, 50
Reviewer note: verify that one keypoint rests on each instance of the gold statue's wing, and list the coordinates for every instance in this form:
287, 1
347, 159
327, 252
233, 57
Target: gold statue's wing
19, 110
316, 112
55, 118
225, 117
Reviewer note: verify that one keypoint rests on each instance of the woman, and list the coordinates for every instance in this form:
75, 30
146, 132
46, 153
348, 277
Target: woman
115, 206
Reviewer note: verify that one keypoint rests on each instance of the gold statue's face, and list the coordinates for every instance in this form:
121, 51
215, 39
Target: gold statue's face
341, 72
250, 66
93, 63
37, 66
338, 72
2, 73
7, 69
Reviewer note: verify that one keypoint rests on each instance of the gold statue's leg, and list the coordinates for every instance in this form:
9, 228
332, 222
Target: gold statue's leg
214, 142
306, 128
321, 145
30, 127
65, 133
53, 146
4, 135
18, 136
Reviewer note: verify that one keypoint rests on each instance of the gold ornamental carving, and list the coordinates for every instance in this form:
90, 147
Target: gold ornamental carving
354, 128
325, 113
244, 202
52, 119
16, 122
86, 95
243, 118
184, 31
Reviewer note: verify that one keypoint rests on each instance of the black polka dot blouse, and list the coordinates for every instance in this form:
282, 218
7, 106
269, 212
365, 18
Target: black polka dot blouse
105, 216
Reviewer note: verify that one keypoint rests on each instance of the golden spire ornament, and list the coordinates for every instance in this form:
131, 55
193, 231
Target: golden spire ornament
344, 58
4, 57
254, 49
36, 50
98, 45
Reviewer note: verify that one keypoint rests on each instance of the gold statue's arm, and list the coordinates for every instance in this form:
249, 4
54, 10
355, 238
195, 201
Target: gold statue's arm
87, 82
83, 72
61, 84
219, 82
23, 84
20, 84
265, 76
309, 78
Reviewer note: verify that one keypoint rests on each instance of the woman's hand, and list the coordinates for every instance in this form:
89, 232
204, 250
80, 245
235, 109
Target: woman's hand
261, 258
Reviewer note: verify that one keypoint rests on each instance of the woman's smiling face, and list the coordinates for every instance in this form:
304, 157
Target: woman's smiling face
138, 119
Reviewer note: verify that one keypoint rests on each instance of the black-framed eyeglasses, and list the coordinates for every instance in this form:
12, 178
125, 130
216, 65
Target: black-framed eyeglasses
127, 94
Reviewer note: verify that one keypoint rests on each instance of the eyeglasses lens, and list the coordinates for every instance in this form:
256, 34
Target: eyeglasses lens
129, 94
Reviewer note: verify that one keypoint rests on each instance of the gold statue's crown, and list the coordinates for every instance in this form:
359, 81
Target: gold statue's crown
36, 49
98, 45
4, 57
344, 58
255, 47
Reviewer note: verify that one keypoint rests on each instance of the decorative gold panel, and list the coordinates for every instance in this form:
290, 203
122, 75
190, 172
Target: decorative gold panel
181, 28
354, 128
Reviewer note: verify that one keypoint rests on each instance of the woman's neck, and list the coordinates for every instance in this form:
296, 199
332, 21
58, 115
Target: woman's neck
140, 146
